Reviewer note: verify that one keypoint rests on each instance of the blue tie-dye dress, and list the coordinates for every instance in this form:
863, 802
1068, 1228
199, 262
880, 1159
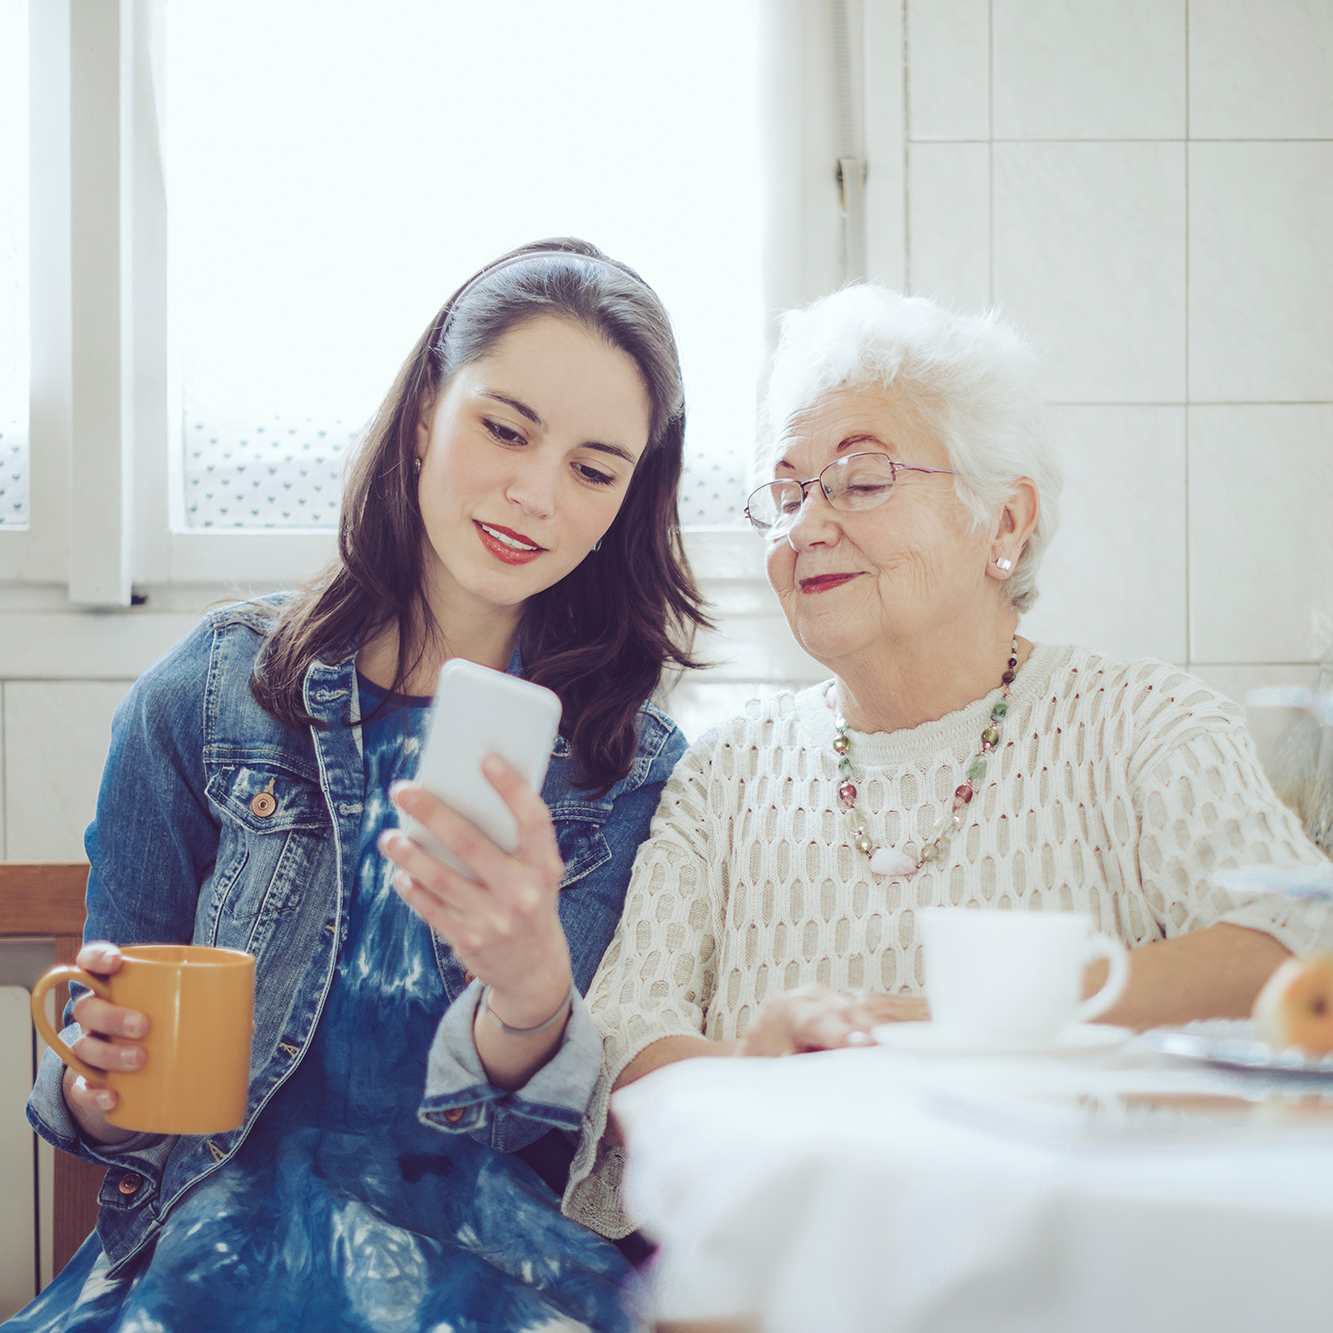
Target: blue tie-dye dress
342, 1211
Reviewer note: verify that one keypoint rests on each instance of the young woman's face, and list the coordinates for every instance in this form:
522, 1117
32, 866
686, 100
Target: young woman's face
525, 461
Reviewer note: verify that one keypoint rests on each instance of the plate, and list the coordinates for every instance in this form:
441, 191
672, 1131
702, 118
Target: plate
928, 1039
1231, 1042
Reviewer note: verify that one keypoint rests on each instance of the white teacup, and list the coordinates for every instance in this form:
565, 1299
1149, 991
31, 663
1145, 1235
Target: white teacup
1015, 976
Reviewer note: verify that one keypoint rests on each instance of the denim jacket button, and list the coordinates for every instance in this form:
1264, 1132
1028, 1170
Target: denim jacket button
263, 804
130, 1182
453, 1115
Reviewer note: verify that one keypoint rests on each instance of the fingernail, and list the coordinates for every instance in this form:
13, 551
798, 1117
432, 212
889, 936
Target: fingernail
398, 789
860, 1039
493, 766
106, 1100
135, 1027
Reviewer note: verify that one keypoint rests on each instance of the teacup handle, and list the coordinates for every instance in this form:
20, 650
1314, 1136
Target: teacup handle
1117, 956
65, 972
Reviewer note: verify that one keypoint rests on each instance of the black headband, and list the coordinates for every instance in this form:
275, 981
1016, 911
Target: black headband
510, 260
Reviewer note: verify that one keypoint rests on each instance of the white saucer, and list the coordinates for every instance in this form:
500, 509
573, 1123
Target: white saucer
928, 1039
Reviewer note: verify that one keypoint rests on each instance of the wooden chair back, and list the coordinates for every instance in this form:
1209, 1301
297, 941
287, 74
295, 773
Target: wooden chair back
46, 899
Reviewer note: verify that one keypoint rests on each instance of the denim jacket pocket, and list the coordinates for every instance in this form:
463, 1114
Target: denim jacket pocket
270, 819
583, 845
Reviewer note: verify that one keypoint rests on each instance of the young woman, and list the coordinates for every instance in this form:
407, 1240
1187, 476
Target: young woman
407, 1129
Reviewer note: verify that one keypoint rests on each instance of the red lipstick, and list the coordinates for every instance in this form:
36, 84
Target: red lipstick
507, 545
826, 582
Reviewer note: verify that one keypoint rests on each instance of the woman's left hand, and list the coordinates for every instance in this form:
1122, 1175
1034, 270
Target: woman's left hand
814, 1018
504, 928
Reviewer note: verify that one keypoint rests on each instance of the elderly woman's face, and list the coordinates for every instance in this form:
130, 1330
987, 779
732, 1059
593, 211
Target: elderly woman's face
859, 581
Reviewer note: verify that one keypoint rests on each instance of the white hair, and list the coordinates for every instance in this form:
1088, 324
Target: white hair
967, 379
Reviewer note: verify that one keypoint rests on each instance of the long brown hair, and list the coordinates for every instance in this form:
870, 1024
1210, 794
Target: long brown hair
601, 636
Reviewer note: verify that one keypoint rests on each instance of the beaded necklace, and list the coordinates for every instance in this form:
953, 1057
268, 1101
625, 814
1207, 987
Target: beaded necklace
887, 860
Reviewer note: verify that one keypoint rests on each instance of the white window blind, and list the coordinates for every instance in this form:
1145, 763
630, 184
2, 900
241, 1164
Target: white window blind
335, 170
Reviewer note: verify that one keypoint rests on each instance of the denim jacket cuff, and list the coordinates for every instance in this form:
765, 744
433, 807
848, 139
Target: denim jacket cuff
143, 1155
459, 1099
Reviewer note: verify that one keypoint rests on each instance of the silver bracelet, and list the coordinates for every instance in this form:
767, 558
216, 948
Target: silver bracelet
524, 1032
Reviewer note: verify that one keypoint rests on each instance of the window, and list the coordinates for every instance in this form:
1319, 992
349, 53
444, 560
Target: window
333, 171
328, 186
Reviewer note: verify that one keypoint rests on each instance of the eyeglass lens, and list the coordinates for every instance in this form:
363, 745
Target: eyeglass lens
859, 481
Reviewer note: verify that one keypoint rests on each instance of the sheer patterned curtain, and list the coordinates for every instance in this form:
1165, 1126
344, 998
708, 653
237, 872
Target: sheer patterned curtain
334, 171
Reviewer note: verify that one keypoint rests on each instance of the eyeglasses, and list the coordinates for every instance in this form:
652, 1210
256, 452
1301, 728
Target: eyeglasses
859, 481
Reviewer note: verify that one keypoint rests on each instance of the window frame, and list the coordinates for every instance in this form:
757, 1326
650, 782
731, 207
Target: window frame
104, 514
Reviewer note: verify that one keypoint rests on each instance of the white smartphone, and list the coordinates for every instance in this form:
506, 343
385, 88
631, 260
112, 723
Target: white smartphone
478, 712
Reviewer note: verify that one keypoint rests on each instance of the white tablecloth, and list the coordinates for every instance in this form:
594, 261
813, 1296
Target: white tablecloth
829, 1193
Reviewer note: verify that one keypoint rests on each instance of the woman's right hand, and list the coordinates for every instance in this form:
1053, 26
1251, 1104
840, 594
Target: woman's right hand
100, 1021
504, 927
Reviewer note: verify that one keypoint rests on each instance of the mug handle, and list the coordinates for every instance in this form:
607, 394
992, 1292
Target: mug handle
1115, 953
66, 972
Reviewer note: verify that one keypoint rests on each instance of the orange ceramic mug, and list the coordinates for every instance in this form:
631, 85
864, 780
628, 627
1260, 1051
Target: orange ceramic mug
200, 1005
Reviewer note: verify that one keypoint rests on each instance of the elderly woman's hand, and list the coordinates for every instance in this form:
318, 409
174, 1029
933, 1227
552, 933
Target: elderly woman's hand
814, 1018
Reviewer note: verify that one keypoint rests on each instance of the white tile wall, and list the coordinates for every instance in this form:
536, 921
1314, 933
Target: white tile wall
1261, 276
1089, 255
17, 1235
948, 69
948, 207
1086, 69
56, 739
752, 641
1261, 69
752, 650
75, 644
1116, 581
1156, 212
757, 649
1261, 532
21, 1050
705, 702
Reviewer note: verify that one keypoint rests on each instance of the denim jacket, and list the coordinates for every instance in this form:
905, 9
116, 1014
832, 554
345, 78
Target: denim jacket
179, 855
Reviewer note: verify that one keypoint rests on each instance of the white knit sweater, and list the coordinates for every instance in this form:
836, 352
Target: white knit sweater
1116, 790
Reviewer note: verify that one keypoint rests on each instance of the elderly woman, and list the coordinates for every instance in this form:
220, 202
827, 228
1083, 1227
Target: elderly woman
948, 761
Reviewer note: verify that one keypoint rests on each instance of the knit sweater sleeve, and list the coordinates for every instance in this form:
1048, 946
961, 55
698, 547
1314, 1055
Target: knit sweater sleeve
658, 976
1204, 804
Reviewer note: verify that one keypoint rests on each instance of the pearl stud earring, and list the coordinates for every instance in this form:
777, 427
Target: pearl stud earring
1003, 562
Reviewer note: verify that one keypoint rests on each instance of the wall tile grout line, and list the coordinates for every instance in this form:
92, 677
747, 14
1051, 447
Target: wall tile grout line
1164, 139
1187, 71
908, 284
1189, 617
990, 152
1258, 666
69, 680
1198, 402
